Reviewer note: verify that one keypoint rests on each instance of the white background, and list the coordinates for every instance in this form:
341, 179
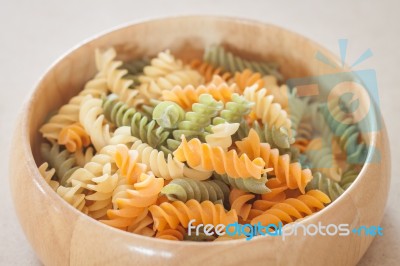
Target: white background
35, 33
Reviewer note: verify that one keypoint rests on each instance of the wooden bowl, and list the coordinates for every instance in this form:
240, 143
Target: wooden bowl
61, 235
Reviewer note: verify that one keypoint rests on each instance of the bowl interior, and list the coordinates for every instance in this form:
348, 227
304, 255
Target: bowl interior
186, 37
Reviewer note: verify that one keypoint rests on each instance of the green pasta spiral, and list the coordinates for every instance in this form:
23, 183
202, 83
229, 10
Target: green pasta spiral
168, 114
199, 118
121, 114
252, 185
348, 177
234, 110
297, 108
347, 134
326, 185
185, 189
134, 68
219, 57
61, 160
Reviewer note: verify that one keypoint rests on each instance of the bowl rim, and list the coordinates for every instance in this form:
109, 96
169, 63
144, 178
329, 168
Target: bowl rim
26, 116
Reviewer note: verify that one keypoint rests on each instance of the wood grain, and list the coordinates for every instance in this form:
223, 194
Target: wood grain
61, 235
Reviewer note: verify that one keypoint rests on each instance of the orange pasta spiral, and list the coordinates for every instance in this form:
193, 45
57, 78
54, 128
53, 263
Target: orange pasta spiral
135, 201
180, 213
238, 200
269, 199
209, 158
304, 205
287, 173
247, 78
172, 234
189, 95
127, 161
74, 137
208, 71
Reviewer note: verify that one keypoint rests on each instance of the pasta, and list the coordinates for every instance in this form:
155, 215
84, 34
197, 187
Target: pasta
188, 95
169, 168
285, 171
74, 137
208, 71
252, 185
163, 73
121, 115
150, 144
48, 175
218, 56
216, 159
63, 162
221, 135
108, 67
238, 200
69, 113
179, 213
322, 159
186, 189
199, 118
247, 78
326, 185
234, 110
299, 207
91, 117
346, 132
265, 110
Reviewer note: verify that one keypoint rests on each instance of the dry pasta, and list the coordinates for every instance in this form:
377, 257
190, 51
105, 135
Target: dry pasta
151, 143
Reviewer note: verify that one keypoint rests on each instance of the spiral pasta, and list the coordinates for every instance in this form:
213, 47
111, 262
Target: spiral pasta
69, 113
221, 135
210, 158
296, 110
348, 177
74, 137
167, 168
94, 168
238, 200
303, 136
48, 175
92, 119
74, 196
186, 189
102, 188
108, 68
347, 133
121, 115
275, 195
163, 73
177, 234
189, 95
285, 171
199, 118
256, 186
179, 213
326, 185
208, 71
322, 159
63, 162
149, 145
235, 110
218, 56
135, 202
247, 78
265, 110
299, 207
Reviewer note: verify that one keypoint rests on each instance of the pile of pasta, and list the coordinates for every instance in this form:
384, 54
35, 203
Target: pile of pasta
148, 145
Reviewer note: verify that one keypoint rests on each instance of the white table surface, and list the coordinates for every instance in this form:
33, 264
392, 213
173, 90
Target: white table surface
35, 33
